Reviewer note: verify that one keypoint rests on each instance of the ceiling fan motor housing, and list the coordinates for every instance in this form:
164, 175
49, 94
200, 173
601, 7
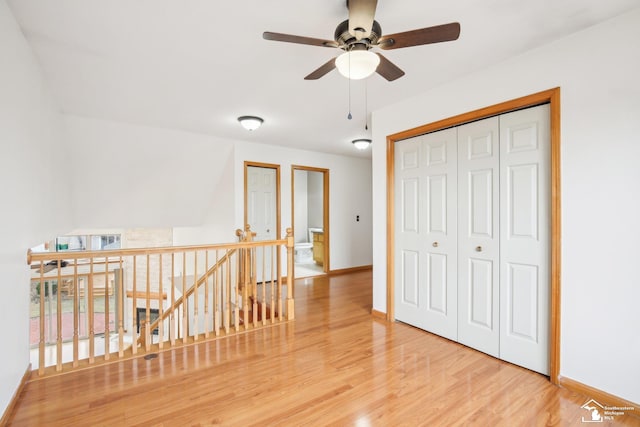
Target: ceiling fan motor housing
348, 42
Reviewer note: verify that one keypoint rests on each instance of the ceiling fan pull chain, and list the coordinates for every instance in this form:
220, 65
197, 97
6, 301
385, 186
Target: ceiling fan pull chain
349, 116
366, 105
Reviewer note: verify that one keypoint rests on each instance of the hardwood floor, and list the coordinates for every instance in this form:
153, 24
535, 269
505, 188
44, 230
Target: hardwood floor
334, 365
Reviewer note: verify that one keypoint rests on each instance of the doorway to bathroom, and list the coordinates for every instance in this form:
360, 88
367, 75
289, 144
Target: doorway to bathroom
310, 220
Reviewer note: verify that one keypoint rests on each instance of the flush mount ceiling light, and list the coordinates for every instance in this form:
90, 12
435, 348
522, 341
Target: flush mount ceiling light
250, 122
361, 144
357, 64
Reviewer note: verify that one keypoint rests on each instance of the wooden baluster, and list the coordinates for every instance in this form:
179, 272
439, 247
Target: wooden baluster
290, 303
106, 309
254, 286
273, 274
134, 302
160, 305
58, 319
216, 296
245, 290
195, 296
227, 298
76, 314
41, 343
172, 314
236, 307
185, 310
147, 319
206, 294
279, 293
92, 347
120, 310
264, 287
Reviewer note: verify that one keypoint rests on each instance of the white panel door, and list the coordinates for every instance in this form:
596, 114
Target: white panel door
410, 296
524, 238
426, 229
478, 236
439, 196
262, 212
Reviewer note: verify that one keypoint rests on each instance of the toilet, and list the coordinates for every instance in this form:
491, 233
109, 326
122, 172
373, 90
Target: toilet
303, 251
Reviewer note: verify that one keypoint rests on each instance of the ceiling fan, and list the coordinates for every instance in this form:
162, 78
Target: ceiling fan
359, 34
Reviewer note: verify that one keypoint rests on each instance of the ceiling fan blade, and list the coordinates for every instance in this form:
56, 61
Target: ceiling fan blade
324, 69
279, 37
388, 69
361, 14
437, 34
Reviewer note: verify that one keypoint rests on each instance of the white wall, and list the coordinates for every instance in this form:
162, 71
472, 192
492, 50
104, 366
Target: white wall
137, 176
597, 71
350, 195
219, 223
34, 191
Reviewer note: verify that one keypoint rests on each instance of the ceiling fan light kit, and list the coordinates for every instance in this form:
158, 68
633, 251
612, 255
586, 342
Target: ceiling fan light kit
357, 64
250, 123
361, 144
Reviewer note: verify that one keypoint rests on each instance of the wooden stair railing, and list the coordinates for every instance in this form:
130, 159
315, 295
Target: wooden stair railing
80, 324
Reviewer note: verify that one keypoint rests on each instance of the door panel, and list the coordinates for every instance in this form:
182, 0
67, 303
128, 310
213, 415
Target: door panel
478, 243
409, 299
410, 201
525, 239
262, 214
437, 283
426, 220
522, 301
481, 203
439, 239
481, 293
410, 278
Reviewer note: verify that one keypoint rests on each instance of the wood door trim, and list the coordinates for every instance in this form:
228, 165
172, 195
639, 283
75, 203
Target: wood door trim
552, 97
325, 209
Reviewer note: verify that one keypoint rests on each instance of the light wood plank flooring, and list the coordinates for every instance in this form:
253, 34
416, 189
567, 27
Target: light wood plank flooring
333, 365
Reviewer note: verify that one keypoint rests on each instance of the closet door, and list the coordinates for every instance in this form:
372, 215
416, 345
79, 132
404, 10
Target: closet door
410, 300
440, 244
524, 238
478, 236
426, 229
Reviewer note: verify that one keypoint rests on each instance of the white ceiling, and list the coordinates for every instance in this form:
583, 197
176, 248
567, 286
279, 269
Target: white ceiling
197, 65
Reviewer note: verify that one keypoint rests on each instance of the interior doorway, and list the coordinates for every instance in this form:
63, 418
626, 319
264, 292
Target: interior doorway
310, 220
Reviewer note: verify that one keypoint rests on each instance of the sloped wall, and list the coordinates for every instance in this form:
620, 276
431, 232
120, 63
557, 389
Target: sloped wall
131, 176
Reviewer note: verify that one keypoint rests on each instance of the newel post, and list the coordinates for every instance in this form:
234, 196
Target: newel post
290, 303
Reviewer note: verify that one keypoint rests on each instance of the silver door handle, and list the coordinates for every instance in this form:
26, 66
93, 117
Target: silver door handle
478, 248
434, 244
268, 230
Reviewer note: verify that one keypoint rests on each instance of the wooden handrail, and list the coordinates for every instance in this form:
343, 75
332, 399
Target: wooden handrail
114, 253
